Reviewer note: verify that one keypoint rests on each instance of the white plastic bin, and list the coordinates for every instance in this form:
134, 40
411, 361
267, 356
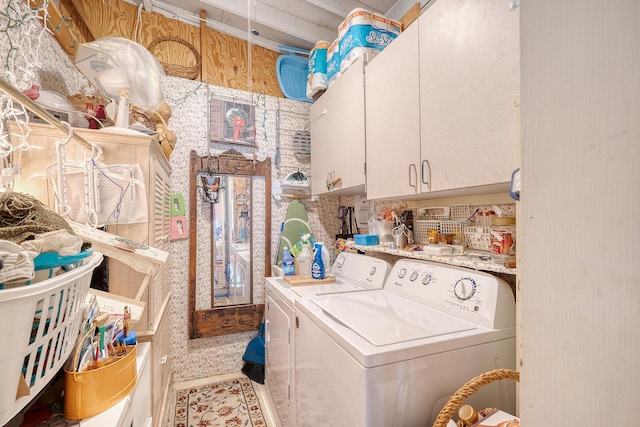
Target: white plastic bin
39, 325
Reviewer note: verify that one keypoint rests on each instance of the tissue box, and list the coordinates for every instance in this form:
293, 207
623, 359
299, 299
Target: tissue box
366, 239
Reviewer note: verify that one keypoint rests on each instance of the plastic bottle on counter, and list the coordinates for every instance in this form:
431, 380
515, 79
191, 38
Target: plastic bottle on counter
305, 261
317, 267
288, 263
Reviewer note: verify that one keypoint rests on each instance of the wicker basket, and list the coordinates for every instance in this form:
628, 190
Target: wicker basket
178, 70
468, 389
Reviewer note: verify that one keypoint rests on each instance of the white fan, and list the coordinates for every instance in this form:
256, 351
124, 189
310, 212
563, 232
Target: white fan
124, 70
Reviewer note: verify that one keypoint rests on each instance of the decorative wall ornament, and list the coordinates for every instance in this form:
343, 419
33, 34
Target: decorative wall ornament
232, 121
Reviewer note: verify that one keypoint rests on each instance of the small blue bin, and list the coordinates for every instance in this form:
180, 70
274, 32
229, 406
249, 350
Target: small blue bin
366, 239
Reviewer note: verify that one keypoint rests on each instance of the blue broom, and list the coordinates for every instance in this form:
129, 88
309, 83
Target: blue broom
254, 358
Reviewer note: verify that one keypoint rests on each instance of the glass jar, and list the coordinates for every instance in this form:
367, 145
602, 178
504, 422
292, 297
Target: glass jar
503, 238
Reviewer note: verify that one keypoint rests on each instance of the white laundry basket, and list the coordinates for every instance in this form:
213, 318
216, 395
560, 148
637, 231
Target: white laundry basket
39, 325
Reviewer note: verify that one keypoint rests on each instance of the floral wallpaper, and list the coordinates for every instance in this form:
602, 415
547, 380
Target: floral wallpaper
276, 121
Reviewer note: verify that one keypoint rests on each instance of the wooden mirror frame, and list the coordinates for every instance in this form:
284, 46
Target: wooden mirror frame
211, 322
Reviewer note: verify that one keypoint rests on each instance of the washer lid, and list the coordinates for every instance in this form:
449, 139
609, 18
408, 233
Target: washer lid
383, 318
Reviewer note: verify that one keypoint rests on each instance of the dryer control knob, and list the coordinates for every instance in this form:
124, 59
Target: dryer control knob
372, 272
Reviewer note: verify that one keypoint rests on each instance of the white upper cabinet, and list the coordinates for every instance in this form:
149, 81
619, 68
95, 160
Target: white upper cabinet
393, 118
469, 79
440, 116
338, 135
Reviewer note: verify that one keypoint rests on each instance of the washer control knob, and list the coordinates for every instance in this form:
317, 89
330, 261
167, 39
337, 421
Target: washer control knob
372, 271
402, 272
464, 288
340, 261
426, 279
413, 276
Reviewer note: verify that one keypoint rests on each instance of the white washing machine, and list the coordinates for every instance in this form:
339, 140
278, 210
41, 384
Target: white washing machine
394, 356
353, 273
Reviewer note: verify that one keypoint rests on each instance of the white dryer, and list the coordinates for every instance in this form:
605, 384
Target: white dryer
393, 356
353, 272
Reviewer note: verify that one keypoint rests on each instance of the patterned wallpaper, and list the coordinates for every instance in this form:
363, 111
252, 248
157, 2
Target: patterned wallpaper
276, 118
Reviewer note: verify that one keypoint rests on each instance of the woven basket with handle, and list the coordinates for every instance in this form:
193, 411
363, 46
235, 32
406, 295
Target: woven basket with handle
177, 70
468, 389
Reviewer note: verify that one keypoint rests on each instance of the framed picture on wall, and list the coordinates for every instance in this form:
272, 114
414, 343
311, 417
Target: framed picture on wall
232, 121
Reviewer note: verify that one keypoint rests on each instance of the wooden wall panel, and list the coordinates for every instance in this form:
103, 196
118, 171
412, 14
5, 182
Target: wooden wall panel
265, 79
225, 60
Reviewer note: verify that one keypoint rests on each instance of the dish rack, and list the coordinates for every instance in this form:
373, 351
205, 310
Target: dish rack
456, 400
39, 324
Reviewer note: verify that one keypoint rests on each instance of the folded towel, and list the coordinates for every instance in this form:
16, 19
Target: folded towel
60, 241
17, 265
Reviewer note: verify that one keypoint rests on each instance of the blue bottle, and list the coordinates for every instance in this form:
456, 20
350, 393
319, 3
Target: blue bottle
317, 268
288, 263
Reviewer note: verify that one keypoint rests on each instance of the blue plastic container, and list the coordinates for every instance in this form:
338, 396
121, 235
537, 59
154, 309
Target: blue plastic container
292, 71
366, 239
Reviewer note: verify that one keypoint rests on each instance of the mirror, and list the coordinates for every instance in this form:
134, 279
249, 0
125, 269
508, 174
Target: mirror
223, 214
222, 241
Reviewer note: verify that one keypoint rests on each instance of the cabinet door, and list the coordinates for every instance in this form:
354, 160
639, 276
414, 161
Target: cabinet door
393, 119
337, 134
279, 357
160, 366
159, 233
469, 77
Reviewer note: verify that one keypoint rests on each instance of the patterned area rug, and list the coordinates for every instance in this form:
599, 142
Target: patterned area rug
227, 403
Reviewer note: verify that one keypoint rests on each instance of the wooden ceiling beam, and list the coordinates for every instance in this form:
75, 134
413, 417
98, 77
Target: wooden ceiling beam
59, 26
203, 45
86, 19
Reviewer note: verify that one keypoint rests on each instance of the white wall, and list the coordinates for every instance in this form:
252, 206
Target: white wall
580, 283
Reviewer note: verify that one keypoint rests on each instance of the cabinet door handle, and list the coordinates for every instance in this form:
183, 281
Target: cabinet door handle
164, 360
413, 182
427, 182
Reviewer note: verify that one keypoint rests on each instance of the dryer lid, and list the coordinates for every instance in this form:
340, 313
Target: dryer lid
382, 318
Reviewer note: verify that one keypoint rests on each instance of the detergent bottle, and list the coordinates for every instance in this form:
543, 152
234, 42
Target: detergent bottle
288, 264
317, 268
